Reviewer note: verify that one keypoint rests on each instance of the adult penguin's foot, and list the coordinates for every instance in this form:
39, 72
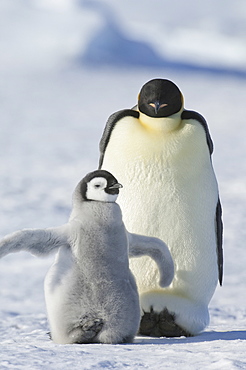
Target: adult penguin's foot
161, 324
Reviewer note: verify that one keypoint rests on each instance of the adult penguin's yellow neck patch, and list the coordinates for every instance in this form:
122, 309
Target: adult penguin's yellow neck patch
161, 124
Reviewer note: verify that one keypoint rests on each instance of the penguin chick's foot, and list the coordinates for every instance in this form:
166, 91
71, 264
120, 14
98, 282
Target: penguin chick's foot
161, 324
87, 330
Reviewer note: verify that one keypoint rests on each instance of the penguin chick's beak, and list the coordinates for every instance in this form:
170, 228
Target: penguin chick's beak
156, 105
115, 186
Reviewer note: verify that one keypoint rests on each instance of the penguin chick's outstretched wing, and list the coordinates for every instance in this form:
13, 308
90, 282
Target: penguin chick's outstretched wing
186, 115
36, 241
140, 245
113, 119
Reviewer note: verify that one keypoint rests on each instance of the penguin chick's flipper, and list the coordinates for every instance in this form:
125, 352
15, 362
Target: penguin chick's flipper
161, 324
36, 241
87, 331
155, 248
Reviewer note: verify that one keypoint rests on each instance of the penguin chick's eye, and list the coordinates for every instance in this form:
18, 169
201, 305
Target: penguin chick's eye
98, 183
98, 186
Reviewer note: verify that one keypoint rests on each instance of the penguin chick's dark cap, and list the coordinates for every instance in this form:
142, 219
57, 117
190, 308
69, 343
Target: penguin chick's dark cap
160, 98
112, 184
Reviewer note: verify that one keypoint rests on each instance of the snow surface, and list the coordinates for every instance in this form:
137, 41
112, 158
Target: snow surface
52, 114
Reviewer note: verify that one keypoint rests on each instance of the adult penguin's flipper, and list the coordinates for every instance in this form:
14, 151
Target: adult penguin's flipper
190, 114
112, 121
219, 233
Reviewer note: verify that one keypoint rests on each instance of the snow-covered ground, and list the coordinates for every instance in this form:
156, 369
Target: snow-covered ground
52, 113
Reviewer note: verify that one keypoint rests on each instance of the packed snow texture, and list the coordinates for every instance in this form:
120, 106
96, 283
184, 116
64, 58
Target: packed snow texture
53, 108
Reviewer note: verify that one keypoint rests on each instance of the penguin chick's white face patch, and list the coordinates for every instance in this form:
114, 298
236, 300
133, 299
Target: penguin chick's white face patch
97, 190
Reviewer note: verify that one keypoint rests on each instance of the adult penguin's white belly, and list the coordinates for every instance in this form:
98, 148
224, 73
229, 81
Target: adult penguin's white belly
169, 191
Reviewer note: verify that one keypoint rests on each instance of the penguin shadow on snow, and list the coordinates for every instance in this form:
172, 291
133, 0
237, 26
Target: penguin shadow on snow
207, 336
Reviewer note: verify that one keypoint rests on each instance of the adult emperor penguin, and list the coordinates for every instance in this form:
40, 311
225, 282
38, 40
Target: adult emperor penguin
162, 154
91, 294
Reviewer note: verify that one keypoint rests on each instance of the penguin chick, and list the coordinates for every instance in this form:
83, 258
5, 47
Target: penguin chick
164, 151
91, 295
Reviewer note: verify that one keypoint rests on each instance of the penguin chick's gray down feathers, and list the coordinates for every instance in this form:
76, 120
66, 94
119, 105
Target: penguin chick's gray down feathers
91, 294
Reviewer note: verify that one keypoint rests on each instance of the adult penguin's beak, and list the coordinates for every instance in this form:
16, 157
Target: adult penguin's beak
156, 105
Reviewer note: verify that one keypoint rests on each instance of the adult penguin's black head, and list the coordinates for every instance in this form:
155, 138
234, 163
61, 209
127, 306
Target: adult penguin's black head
160, 98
